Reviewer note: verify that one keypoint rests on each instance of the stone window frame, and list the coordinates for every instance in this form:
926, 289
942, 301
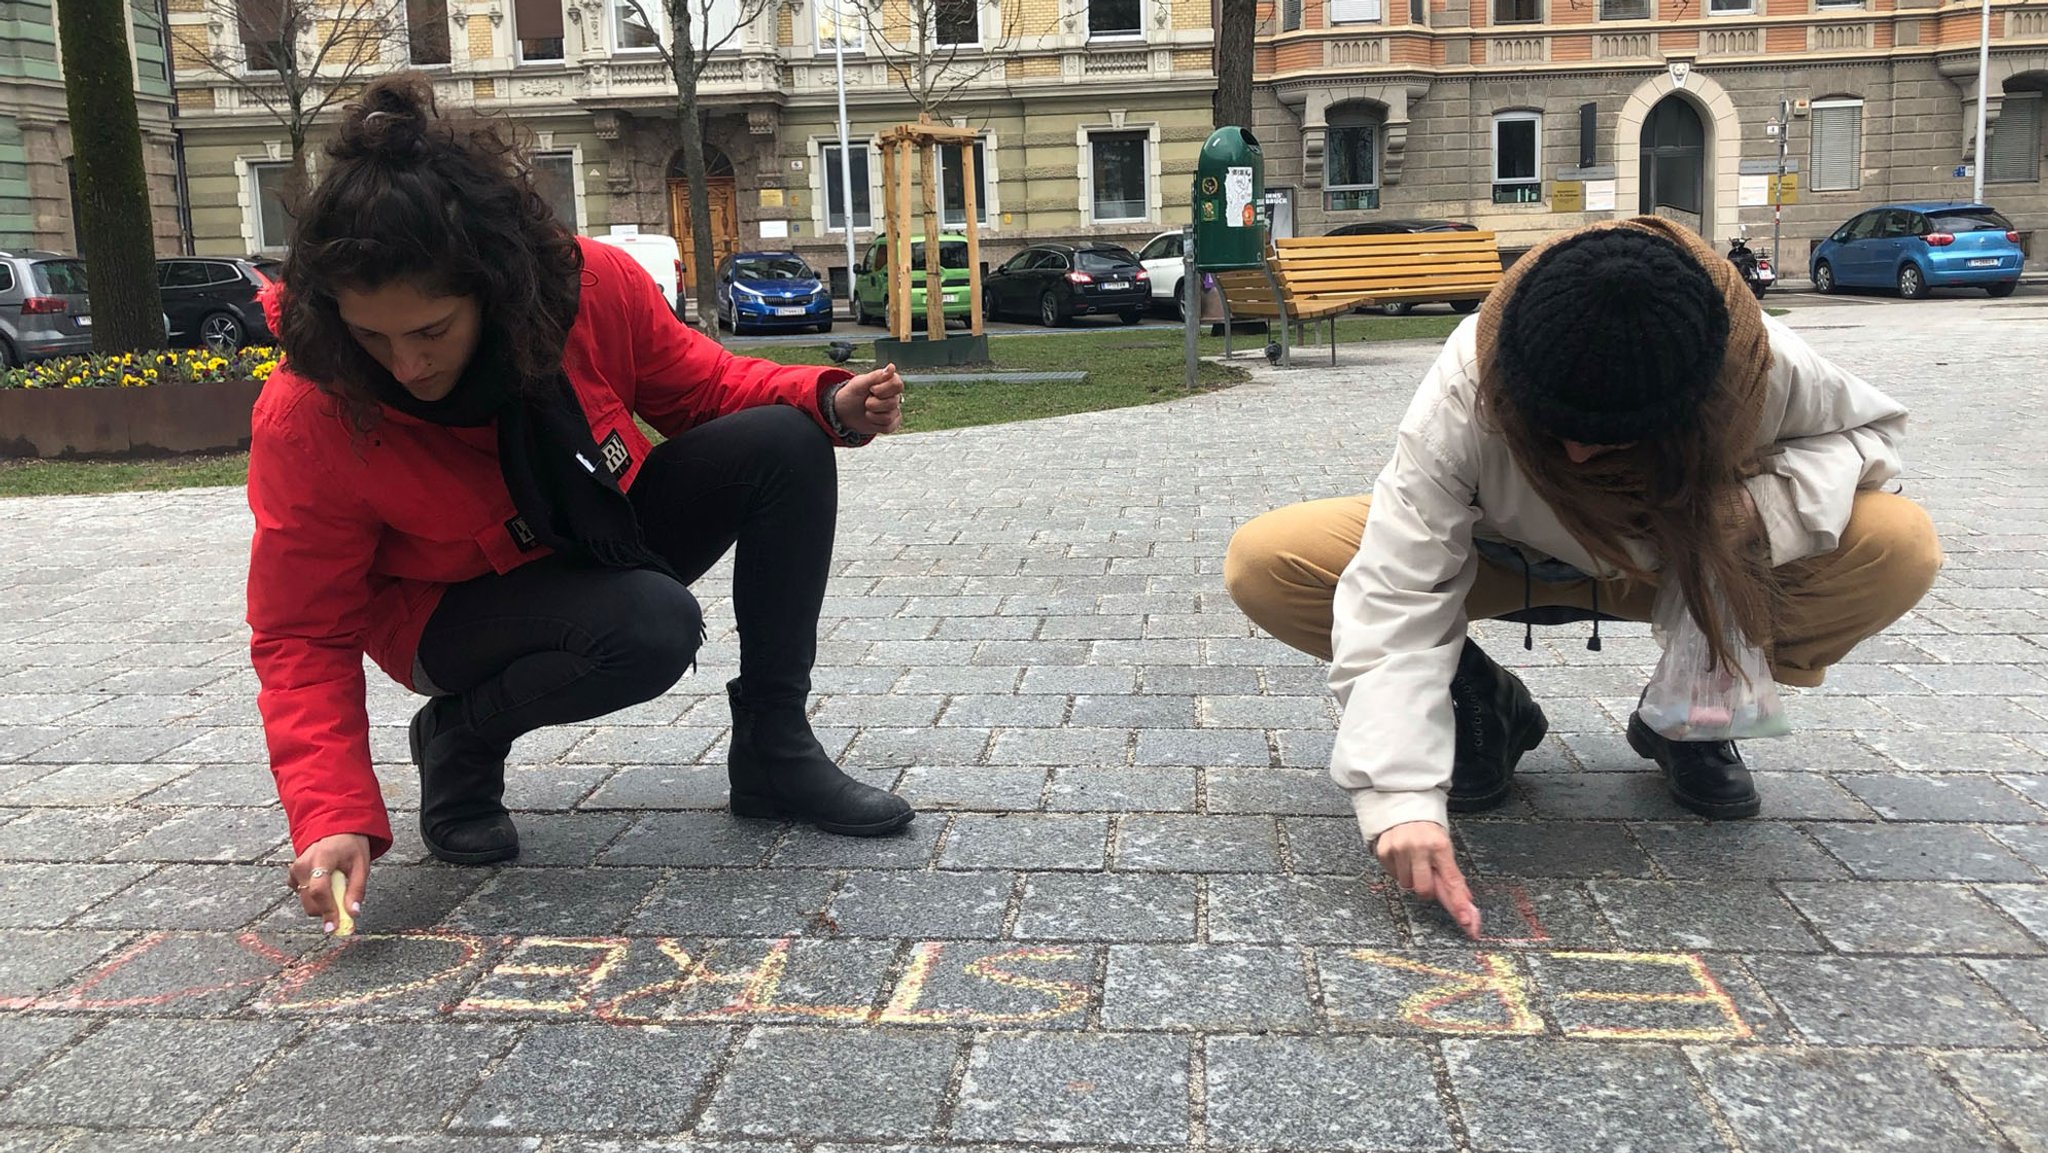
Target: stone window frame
821, 149
616, 11
1084, 138
249, 197
2039, 104
1648, 10
988, 202
519, 55
1499, 21
574, 154
1351, 117
1532, 116
836, 9
1119, 36
1331, 18
1735, 7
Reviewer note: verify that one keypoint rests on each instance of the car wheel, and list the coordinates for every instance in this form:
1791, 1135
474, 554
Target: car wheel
8, 357
860, 312
1180, 300
221, 333
825, 327
1049, 311
1912, 282
1132, 316
1759, 287
1396, 308
1464, 307
2002, 289
989, 311
1824, 278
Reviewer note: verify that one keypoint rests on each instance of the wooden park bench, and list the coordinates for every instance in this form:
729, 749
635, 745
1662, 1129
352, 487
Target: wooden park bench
1313, 278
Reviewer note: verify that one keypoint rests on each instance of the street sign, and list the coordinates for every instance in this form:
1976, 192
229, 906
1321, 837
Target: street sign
1965, 171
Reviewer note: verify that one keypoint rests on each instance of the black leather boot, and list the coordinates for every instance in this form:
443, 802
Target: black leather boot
1708, 777
1497, 722
462, 788
778, 771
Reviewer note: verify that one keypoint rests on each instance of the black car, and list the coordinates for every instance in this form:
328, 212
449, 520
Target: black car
1395, 227
1057, 282
211, 301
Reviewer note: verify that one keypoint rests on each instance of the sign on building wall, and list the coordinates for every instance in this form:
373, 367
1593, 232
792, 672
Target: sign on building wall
1567, 196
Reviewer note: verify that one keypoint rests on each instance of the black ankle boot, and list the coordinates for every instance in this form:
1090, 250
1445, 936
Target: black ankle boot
1497, 722
1707, 777
462, 789
779, 771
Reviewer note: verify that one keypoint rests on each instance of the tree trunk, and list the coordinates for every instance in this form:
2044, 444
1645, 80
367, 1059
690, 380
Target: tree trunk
1236, 31
113, 188
687, 59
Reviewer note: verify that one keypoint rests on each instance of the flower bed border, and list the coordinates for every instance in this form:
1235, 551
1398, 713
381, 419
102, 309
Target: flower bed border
161, 420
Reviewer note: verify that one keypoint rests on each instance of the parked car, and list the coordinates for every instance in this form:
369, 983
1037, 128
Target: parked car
1163, 260
1397, 227
211, 301
766, 290
1057, 282
871, 281
44, 308
1917, 247
656, 252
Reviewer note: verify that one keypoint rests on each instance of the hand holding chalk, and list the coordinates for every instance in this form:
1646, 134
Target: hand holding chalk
337, 887
330, 878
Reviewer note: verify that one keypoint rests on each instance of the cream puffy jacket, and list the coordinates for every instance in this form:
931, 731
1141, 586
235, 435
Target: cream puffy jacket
1400, 606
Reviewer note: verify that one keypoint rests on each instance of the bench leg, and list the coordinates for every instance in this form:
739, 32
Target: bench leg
1333, 340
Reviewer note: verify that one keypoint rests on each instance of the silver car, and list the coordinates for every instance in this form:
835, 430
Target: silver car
44, 309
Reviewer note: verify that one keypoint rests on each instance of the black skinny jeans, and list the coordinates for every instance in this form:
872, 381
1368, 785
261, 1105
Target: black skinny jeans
554, 642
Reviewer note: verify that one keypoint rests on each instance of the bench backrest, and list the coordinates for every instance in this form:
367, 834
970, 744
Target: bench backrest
1421, 266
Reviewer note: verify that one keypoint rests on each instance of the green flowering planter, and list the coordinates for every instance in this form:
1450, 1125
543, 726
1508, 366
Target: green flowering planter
160, 420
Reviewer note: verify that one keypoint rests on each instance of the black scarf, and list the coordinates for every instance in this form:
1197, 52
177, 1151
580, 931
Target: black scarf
567, 497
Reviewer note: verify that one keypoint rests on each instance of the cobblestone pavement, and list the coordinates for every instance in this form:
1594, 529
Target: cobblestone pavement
1132, 913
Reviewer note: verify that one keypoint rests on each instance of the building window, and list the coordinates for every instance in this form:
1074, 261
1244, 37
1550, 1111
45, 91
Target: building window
953, 189
150, 59
266, 41
835, 196
426, 31
554, 178
1355, 11
266, 199
631, 27
1115, 18
1290, 15
1517, 11
538, 26
2014, 152
1624, 9
839, 19
1837, 145
1518, 158
1827, 5
1738, 7
1418, 12
1117, 172
716, 26
956, 23
1351, 167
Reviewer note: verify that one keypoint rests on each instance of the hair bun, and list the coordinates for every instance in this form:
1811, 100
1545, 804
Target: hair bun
387, 121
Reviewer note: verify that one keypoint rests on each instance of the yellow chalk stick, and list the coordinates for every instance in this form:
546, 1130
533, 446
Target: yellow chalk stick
337, 884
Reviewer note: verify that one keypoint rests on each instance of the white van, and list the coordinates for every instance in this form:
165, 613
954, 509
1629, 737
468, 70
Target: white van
656, 252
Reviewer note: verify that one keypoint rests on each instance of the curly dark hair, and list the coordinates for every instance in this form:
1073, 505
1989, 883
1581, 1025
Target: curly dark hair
444, 205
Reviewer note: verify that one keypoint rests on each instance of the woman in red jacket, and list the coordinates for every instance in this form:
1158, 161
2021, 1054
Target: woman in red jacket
446, 475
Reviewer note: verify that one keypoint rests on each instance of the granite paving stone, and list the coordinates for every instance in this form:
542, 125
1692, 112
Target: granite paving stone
732, 904
137, 1073
1142, 790
1794, 796
1552, 849
910, 847
977, 788
2027, 904
80, 782
1907, 917
1922, 853
583, 1078
1528, 1096
26, 1041
687, 839
1695, 916
1108, 907
1326, 845
1026, 841
422, 1073
191, 897
900, 903
1220, 988
1191, 843
1266, 790
36, 961
1092, 1089
1277, 1092
1839, 1102
2011, 1087
1897, 797
1298, 910
222, 835
794, 1082
555, 901
1736, 851
1889, 1001
71, 834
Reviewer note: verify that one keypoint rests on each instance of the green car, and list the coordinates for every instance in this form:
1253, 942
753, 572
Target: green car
871, 281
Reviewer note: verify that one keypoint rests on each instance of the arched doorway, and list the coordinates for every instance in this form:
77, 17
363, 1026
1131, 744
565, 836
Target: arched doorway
721, 191
1674, 163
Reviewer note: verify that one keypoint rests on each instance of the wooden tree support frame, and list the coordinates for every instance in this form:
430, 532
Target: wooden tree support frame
922, 141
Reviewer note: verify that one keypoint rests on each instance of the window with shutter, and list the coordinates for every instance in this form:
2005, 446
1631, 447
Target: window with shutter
1355, 11
1290, 15
2014, 152
1837, 146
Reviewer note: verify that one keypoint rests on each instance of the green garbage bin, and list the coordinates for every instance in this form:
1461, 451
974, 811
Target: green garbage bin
1230, 201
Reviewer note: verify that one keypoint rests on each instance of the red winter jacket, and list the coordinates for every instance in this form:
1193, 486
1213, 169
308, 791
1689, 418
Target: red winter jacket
357, 536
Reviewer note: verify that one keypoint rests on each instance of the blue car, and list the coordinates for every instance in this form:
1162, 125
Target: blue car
1916, 247
762, 291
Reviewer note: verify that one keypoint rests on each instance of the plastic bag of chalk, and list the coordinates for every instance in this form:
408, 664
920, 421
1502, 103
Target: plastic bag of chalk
1691, 700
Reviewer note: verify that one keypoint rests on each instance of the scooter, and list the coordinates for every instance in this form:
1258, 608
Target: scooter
1755, 265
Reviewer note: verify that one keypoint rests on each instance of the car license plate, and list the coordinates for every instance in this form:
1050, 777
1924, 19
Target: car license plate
1986, 262
789, 312
953, 298
85, 322
1116, 285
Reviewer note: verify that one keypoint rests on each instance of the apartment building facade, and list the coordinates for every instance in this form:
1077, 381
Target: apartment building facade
1529, 116
36, 175
1091, 114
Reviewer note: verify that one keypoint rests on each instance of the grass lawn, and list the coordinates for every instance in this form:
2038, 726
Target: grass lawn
1125, 367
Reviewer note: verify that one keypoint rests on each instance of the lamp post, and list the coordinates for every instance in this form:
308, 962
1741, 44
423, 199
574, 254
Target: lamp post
845, 144
1983, 100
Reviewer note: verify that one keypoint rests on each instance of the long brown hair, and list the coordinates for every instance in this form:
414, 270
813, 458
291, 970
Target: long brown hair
1680, 492
444, 205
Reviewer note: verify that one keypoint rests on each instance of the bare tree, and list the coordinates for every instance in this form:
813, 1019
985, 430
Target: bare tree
113, 192
934, 49
296, 58
1236, 34
698, 30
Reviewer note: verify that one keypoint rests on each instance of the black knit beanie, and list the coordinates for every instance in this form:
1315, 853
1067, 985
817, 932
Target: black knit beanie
1614, 336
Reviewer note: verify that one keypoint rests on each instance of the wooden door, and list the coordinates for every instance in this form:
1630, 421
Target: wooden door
723, 195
